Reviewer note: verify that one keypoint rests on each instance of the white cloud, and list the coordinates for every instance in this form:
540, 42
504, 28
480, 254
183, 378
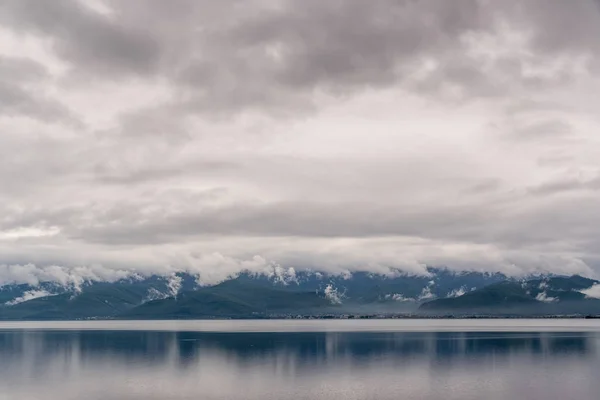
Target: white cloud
333, 295
426, 293
543, 297
592, 292
174, 285
68, 277
29, 295
398, 297
154, 294
457, 292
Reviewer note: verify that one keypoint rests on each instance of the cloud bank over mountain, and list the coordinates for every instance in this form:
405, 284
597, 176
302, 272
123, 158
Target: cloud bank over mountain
213, 137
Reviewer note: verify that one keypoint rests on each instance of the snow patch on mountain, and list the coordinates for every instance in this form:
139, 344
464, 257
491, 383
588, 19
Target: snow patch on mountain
426, 293
543, 297
457, 292
283, 275
174, 283
333, 295
398, 297
155, 294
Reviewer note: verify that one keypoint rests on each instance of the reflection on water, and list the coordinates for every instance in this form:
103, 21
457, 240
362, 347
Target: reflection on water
186, 365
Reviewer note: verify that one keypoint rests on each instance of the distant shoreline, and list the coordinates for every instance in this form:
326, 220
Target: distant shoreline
320, 317
481, 325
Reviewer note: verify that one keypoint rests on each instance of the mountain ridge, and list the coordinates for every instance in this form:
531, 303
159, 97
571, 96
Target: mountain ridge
255, 295
550, 295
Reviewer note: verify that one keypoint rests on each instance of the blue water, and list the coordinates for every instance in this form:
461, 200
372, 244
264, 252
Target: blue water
427, 360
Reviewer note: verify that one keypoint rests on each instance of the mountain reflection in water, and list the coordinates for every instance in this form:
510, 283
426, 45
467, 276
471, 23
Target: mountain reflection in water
132, 365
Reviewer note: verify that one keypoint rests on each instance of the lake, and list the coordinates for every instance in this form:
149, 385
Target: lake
361, 359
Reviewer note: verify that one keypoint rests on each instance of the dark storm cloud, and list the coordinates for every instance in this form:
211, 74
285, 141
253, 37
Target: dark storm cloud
280, 56
18, 79
579, 18
128, 224
271, 54
133, 176
487, 186
543, 130
17, 101
565, 186
236, 55
84, 38
555, 223
283, 219
352, 43
21, 69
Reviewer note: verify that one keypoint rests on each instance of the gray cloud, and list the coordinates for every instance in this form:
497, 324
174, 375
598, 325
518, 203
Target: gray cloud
543, 130
581, 16
16, 102
482, 224
210, 136
236, 56
84, 38
18, 77
287, 219
566, 185
21, 69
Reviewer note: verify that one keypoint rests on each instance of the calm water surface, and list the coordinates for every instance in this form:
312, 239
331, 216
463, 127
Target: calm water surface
427, 360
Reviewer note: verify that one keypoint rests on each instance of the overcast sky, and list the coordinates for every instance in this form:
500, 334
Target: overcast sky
213, 136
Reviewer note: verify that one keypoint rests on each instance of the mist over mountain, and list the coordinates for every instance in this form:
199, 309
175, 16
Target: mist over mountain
279, 291
540, 296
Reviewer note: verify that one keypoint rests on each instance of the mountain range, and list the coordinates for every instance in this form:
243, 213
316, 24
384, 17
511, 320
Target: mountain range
249, 295
556, 295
